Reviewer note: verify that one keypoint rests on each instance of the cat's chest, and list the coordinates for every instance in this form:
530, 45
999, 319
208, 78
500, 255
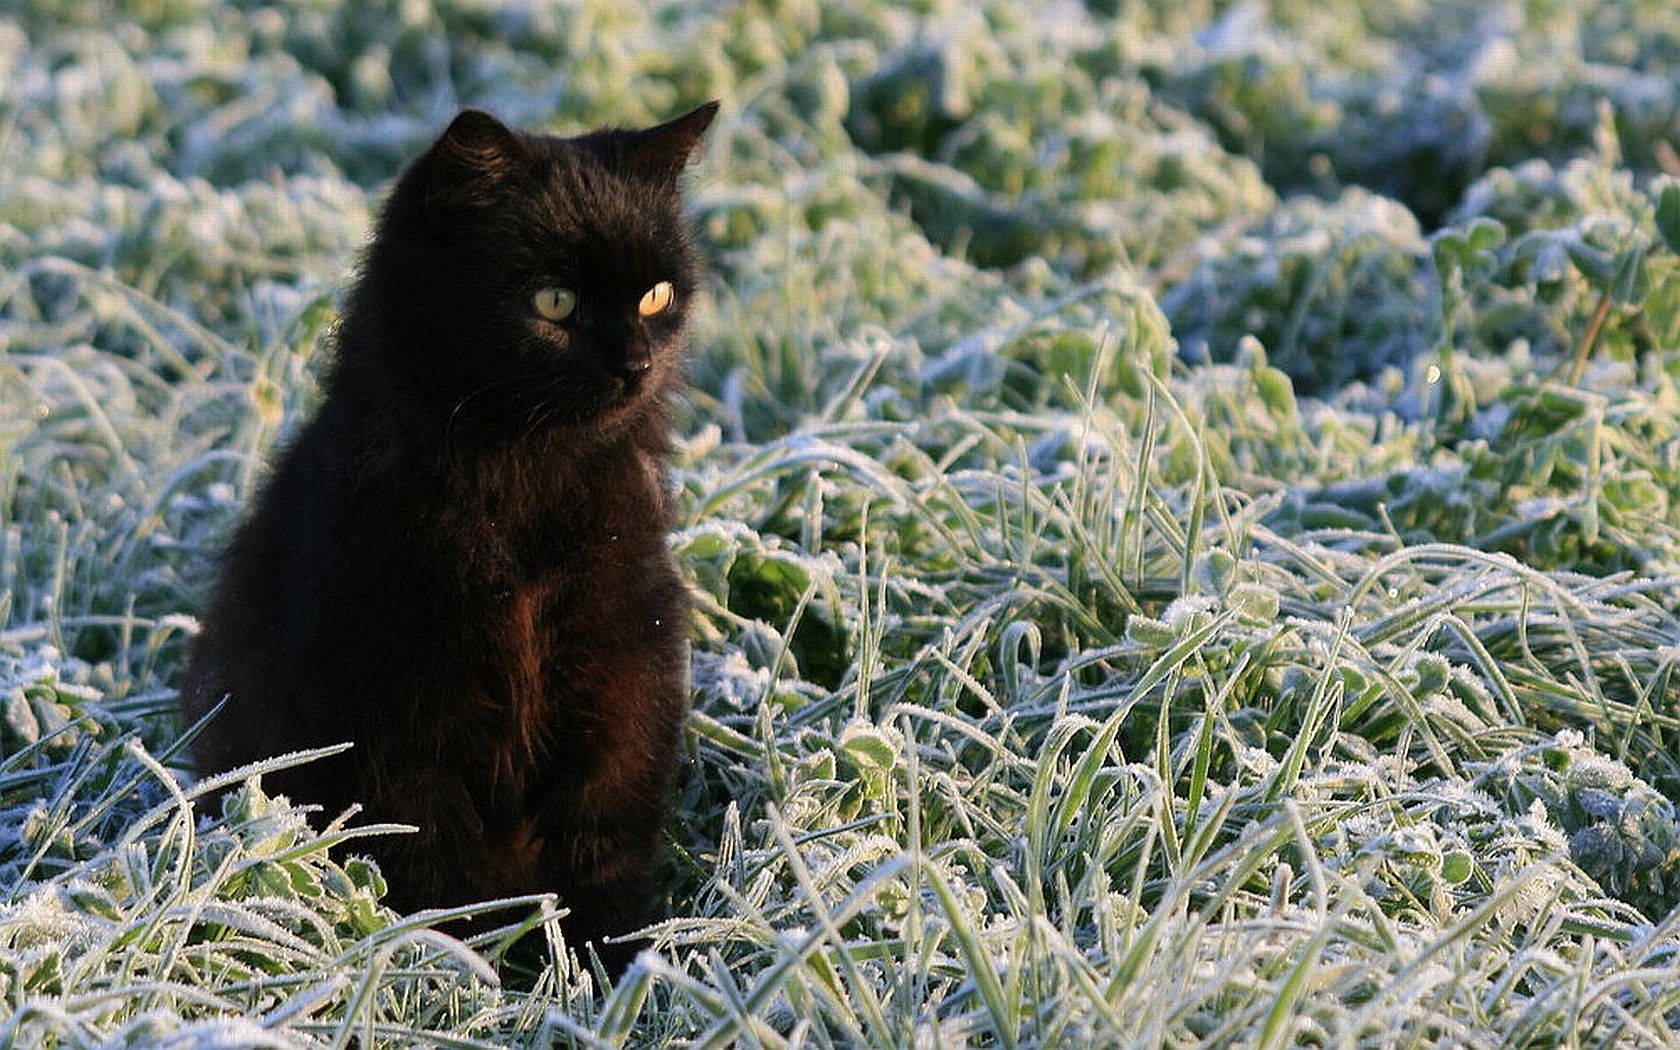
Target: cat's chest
512, 535
572, 600
528, 575
544, 593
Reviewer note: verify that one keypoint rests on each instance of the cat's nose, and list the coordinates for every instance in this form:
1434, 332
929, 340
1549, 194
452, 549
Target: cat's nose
633, 367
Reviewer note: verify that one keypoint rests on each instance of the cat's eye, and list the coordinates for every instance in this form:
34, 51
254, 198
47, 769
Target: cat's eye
555, 304
656, 299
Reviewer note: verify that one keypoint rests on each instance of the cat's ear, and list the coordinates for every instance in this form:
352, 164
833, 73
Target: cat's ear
473, 156
663, 151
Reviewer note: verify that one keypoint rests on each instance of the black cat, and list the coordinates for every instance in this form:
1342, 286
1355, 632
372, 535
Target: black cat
460, 564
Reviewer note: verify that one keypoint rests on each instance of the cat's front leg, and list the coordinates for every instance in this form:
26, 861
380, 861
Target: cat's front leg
605, 870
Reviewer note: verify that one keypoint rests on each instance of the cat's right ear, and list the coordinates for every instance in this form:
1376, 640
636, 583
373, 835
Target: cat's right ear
473, 157
663, 151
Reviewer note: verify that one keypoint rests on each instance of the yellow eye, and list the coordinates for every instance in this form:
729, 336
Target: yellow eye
556, 304
657, 299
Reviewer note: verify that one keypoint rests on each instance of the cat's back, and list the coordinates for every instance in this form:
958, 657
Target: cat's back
268, 618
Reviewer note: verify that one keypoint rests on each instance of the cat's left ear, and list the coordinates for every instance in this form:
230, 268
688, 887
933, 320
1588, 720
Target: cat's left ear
663, 151
473, 157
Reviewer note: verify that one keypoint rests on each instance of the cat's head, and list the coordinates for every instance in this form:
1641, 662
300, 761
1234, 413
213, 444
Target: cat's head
529, 282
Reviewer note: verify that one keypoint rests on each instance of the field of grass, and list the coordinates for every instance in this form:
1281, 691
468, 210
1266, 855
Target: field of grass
1182, 499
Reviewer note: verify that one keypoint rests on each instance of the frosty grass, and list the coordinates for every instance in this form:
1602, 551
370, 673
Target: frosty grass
1182, 498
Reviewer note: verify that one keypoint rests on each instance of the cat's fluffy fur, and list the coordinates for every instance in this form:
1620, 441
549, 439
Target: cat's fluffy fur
460, 564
